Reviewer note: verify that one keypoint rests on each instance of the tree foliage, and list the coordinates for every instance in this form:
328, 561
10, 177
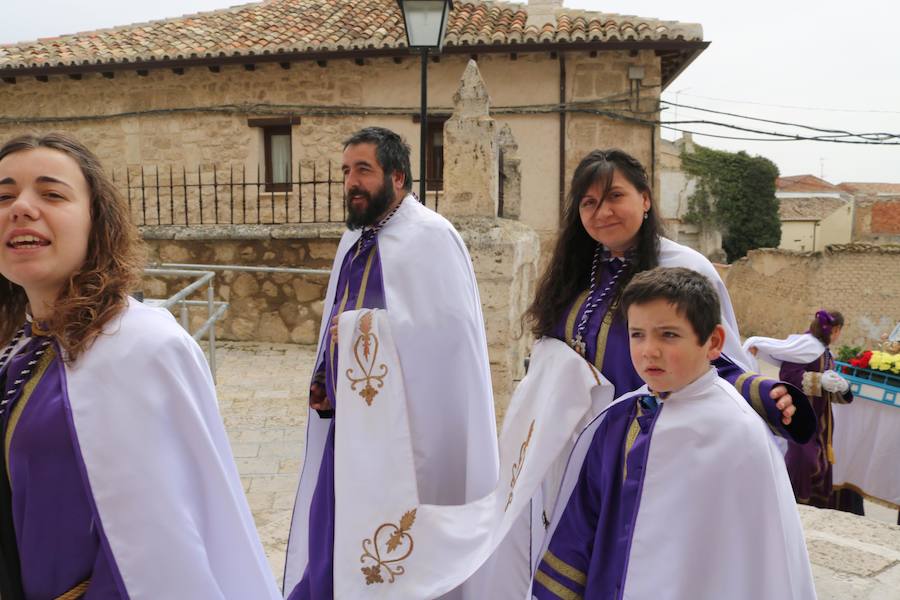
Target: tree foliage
735, 191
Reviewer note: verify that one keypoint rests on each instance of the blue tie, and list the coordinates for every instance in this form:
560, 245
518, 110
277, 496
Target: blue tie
649, 403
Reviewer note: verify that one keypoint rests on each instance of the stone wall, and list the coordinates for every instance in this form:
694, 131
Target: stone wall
283, 307
776, 292
505, 256
269, 307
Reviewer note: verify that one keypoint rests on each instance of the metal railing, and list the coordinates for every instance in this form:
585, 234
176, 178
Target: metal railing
194, 268
229, 195
215, 309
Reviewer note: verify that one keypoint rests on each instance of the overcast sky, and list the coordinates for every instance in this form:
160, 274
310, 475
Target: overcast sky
827, 64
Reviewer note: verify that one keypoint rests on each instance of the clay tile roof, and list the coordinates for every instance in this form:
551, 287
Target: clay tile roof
807, 209
323, 26
804, 183
858, 187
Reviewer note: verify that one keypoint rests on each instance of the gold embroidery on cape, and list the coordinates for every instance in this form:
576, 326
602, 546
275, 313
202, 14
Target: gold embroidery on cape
517, 467
365, 351
399, 540
27, 390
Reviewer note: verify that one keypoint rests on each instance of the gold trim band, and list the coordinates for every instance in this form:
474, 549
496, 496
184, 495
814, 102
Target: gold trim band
564, 569
556, 588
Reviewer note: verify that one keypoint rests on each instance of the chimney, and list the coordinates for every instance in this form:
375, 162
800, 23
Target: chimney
541, 12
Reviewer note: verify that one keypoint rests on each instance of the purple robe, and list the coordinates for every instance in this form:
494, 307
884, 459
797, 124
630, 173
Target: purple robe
607, 348
588, 554
58, 537
359, 285
809, 464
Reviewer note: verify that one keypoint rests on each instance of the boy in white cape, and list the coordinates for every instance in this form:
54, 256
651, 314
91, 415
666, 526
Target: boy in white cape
680, 494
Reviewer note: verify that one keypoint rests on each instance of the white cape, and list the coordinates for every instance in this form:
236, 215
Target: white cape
389, 543
158, 464
672, 254
711, 461
435, 315
799, 348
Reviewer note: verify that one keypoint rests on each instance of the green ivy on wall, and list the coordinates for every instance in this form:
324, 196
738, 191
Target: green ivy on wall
736, 192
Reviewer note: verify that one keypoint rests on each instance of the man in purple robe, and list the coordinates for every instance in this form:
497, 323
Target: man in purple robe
411, 262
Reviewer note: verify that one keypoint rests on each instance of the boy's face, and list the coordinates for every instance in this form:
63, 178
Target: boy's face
665, 350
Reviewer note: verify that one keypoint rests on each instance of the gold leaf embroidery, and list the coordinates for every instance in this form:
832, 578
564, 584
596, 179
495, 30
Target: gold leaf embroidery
373, 575
517, 467
398, 537
367, 344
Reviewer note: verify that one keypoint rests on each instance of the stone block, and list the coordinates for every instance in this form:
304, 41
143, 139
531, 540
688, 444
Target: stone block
307, 291
290, 313
306, 333
245, 284
270, 289
243, 328
273, 329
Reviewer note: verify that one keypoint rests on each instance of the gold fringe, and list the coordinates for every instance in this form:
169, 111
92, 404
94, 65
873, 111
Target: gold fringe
76, 592
869, 497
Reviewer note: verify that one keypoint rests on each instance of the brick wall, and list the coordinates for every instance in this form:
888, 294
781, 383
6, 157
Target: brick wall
886, 217
877, 219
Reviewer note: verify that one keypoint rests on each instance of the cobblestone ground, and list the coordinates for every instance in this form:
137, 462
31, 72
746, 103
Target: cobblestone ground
262, 397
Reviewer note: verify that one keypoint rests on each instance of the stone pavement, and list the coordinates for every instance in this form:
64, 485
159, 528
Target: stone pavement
263, 404
262, 396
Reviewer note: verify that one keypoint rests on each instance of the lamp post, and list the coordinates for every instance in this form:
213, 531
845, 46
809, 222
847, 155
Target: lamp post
426, 22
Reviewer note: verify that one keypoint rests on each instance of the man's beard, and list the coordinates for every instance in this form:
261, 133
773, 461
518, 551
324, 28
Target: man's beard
376, 205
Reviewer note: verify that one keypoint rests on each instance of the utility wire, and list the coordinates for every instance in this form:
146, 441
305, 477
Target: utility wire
590, 108
848, 110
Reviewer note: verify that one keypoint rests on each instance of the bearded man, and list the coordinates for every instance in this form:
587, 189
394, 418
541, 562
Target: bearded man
399, 256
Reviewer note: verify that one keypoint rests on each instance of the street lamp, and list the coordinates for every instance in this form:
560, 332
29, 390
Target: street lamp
426, 22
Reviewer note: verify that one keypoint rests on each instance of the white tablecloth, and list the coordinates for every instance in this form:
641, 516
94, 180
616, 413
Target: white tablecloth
867, 448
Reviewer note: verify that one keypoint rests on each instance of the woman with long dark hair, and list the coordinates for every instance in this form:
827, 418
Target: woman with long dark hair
611, 231
117, 479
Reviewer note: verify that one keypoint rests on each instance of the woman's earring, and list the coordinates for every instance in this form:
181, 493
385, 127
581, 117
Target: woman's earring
646, 215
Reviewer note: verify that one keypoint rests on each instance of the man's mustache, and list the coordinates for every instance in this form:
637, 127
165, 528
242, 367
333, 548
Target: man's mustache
355, 191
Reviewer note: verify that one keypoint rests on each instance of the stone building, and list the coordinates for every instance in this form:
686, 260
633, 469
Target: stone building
266, 92
225, 128
675, 190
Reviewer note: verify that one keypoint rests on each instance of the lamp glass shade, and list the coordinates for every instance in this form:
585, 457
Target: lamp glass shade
426, 22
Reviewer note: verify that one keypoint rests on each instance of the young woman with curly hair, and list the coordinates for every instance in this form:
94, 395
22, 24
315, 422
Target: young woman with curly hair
117, 480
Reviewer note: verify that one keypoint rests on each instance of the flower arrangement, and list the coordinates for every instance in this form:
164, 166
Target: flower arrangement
862, 359
882, 367
883, 361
